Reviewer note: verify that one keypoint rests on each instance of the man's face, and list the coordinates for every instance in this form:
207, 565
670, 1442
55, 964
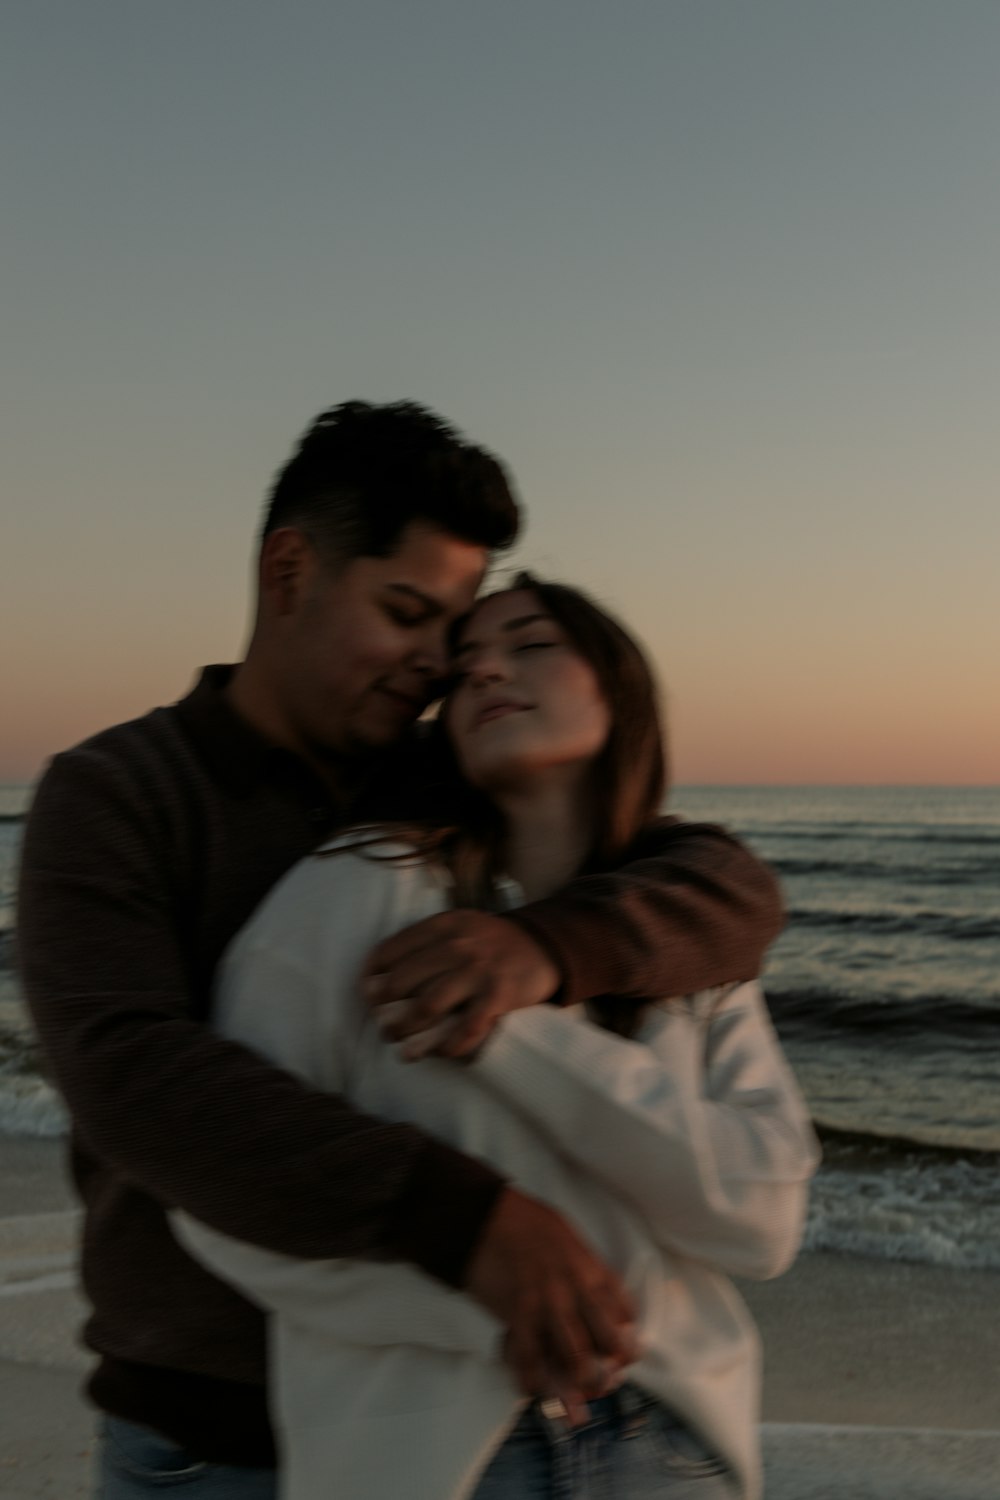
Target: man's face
364, 648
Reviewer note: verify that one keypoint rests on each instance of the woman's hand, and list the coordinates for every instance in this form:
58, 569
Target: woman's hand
442, 985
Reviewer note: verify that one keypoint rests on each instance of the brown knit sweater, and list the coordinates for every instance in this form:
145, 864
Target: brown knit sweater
147, 847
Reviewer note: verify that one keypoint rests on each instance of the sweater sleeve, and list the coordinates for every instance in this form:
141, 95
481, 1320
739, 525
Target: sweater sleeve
195, 1119
355, 1302
694, 908
699, 1124
307, 945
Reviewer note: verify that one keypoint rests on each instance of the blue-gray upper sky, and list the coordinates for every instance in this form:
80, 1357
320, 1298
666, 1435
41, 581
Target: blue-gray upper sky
721, 281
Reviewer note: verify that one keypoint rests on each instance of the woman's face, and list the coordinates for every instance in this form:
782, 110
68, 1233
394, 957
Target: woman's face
526, 701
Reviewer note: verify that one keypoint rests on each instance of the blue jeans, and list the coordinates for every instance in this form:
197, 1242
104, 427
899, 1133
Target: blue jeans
632, 1448
134, 1463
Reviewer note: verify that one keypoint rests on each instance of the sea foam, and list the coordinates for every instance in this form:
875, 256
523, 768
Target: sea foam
941, 1213
31, 1107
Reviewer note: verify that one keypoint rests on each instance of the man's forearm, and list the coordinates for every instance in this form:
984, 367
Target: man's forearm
195, 1120
199, 1122
694, 908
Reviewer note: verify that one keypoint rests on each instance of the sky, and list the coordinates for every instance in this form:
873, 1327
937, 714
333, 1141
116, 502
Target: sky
719, 280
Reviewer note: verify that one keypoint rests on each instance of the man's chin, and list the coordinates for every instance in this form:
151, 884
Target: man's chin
372, 738
364, 735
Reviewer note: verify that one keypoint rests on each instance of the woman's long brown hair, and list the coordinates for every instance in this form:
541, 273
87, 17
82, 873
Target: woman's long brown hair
629, 776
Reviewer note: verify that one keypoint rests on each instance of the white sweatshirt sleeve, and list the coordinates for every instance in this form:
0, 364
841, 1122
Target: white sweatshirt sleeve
289, 988
352, 1301
697, 1123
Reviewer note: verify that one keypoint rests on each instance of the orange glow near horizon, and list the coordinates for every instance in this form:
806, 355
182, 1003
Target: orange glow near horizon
730, 722
734, 333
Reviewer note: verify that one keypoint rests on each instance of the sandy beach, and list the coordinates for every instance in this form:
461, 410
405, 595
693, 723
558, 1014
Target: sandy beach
882, 1378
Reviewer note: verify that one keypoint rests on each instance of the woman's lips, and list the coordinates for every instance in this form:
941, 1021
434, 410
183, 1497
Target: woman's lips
497, 711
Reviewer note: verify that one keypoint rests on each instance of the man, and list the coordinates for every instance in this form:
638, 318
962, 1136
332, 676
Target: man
147, 848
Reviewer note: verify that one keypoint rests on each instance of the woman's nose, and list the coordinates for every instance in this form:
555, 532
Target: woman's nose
487, 667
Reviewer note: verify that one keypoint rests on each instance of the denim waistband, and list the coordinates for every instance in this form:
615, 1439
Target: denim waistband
627, 1402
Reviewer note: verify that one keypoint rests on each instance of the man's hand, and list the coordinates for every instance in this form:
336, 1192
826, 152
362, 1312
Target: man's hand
445, 982
570, 1322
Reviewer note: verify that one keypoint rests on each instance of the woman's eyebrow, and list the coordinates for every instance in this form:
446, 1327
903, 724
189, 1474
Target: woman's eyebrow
507, 626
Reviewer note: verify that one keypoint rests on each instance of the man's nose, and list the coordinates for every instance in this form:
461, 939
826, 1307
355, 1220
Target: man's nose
431, 657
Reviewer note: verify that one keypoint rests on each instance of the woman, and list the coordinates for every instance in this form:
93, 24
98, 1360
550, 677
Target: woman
680, 1150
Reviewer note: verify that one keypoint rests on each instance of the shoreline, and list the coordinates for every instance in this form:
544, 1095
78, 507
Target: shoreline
883, 1365
847, 1338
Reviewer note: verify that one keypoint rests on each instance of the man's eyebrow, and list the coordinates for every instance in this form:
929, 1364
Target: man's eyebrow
508, 625
431, 605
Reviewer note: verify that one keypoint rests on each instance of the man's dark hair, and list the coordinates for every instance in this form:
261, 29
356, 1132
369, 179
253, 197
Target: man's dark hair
363, 473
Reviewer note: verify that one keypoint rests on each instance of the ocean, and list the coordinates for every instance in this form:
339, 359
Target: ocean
885, 990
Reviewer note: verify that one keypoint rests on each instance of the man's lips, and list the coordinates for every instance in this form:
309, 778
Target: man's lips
409, 703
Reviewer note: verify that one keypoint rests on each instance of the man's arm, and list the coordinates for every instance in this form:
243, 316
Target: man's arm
203, 1123
692, 908
196, 1120
315, 933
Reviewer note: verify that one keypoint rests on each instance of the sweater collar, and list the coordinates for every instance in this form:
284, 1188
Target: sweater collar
239, 757
242, 760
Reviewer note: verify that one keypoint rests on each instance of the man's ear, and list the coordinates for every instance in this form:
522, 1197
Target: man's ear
287, 565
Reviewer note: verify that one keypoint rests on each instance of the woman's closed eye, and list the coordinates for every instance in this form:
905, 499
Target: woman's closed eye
462, 671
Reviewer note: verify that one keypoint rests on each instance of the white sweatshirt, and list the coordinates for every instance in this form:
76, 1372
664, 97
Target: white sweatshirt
680, 1155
